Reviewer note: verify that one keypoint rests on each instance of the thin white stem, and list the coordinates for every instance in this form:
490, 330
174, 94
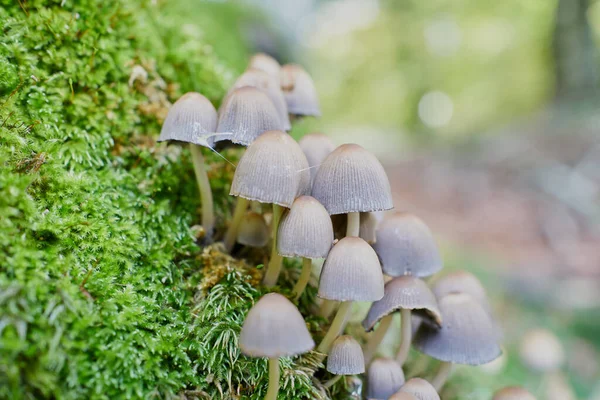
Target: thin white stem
208, 215
303, 278
353, 226
274, 267
332, 381
240, 209
273, 379
376, 337
442, 375
336, 328
406, 338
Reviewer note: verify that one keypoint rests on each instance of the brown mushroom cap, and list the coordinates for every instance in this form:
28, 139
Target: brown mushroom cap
462, 282
345, 357
419, 388
385, 377
299, 91
274, 328
513, 393
467, 335
253, 230
316, 147
190, 119
404, 292
406, 246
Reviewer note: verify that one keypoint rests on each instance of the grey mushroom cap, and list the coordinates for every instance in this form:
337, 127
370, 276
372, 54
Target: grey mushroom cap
299, 91
513, 393
462, 282
274, 328
272, 170
305, 230
268, 64
467, 335
404, 292
253, 230
384, 378
316, 147
420, 388
541, 351
346, 357
245, 114
351, 179
403, 396
406, 246
351, 272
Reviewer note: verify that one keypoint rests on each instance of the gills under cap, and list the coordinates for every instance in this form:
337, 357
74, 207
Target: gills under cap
420, 389
404, 292
385, 377
351, 179
513, 393
299, 91
345, 357
406, 246
253, 230
316, 147
272, 170
274, 328
467, 335
306, 230
351, 272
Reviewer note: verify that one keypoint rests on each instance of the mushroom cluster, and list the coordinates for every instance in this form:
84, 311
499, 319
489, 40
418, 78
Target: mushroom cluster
324, 199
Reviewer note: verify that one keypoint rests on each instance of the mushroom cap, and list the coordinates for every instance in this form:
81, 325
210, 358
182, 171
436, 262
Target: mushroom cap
245, 114
306, 230
403, 292
405, 245
420, 388
272, 170
541, 351
266, 63
513, 393
462, 282
253, 230
351, 272
274, 328
403, 396
385, 377
351, 179
299, 91
467, 335
316, 147
191, 119
269, 86
346, 357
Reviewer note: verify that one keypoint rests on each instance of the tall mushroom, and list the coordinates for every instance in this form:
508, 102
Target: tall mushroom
299, 91
384, 378
316, 148
419, 388
305, 231
351, 273
345, 358
274, 328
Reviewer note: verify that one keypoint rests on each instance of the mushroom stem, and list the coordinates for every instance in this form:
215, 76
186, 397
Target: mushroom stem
337, 327
406, 338
332, 381
376, 338
442, 375
240, 209
353, 226
273, 379
274, 267
208, 216
304, 278
326, 308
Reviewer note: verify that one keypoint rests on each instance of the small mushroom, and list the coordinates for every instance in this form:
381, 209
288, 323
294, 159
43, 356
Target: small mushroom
316, 147
541, 351
305, 231
513, 393
299, 91
384, 378
462, 282
345, 358
274, 328
351, 273
404, 294
403, 396
253, 230
350, 181
467, 336
406, 246
419, 388
266, 63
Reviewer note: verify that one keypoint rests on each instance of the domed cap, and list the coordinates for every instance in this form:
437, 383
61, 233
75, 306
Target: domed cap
467, 335
316, 147
385, 377
306, 230
345, 357
274, 328
266, 63
420, 388
351, 272
541, 351
245, 114
405, 245
272, 170
253, 230
513, 393
299, 91
269, 86
352, 180
405, 292
461, 282
403, 396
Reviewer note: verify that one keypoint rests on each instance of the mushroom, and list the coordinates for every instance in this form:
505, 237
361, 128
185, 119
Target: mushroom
253, 230
316, 147
404, 293
403, 396
350, 181
466, 337
305, 231
345, 358
268, 64
351, 273
273, 170
541, 351
274, 328
193, 119
462, 282
299, 91
384, 378
419, 388
513, 393
406, 246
